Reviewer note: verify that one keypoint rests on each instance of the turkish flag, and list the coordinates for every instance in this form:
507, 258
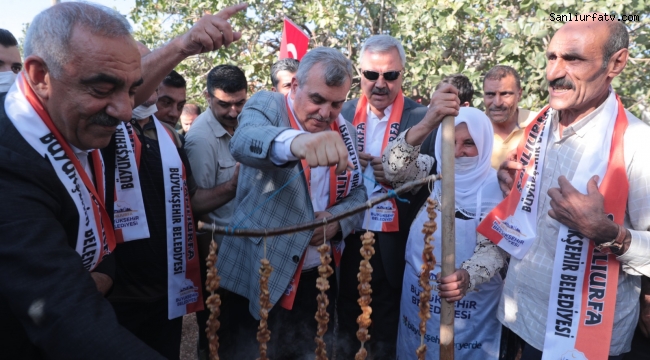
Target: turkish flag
294, 41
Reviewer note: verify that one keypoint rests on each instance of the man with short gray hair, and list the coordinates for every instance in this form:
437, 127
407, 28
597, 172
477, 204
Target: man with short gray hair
82, 77
56, 235
299, 146
281, 74
379, 115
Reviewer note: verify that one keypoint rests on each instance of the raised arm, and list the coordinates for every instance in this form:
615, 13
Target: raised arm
210, 33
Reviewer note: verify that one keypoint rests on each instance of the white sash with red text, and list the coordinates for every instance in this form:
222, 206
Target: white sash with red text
183, 277
129, 219
95, 238
381, 217
583, 286
512, 224
340, 186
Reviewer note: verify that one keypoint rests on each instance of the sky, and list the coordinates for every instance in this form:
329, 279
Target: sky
15, 13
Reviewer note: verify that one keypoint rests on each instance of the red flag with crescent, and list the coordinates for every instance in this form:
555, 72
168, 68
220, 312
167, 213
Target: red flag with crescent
294, 41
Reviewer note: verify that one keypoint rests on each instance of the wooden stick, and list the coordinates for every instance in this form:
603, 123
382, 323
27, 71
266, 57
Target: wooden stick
448, 212
317, 223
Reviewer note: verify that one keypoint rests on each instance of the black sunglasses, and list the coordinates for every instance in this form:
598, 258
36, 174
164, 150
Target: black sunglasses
374, 75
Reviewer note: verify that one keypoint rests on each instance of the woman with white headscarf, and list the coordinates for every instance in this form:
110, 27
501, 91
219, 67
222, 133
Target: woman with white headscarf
476, 285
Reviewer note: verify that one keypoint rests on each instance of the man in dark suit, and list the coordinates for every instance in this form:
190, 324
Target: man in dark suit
292, 140
50, 121
379, 115
82, 76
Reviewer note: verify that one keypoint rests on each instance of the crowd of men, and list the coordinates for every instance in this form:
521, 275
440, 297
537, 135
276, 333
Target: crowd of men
105, 170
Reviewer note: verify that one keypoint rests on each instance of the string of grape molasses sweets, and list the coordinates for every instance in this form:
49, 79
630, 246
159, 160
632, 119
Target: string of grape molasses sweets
365, 275
263, 332
214, 301
322, 283
428, 263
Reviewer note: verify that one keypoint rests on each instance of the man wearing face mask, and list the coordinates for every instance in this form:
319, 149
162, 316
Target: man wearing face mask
146, 279
379, 115
501, 93
10, 63
207, 145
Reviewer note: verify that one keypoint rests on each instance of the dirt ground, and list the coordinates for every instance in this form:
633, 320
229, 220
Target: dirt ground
189, 338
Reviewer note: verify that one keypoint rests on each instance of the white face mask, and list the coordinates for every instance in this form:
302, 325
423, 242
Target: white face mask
143, 112
464, 165
7, 79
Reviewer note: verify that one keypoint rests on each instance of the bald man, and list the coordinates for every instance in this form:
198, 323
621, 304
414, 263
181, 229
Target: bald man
579, 238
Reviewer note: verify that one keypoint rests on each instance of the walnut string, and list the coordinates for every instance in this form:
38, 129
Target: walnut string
214, 300
365, 276
428, 263
263, 332
322, 283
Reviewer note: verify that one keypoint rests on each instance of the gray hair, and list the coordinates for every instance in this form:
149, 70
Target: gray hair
49, 34
288, 64
337, 69
382, 44
618, 39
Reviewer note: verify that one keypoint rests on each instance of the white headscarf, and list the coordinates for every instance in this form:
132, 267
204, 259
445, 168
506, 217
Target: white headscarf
469, 182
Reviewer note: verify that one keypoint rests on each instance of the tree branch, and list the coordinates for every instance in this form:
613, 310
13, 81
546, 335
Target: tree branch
316, 223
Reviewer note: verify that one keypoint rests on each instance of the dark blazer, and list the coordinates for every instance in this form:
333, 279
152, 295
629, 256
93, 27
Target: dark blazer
49, 305
263, 118
393, 245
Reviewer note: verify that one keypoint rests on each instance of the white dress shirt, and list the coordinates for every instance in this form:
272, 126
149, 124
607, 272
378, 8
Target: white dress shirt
524, 304
375, 132
82, 155
319, 184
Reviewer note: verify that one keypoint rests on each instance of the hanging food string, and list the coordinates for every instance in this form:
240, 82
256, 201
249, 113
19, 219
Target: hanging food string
214, 301
322, 283
428, 264
364, 276
263, 332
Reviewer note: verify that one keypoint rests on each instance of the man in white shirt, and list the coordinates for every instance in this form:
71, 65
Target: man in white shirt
583, 59
379, 115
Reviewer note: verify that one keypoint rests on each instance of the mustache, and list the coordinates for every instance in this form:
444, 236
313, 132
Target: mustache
498, 108
562, 82
380, 91
103, 119
229, 118
318, 117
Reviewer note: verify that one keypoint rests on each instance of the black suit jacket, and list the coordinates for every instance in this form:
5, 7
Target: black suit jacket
49, 305
393, 245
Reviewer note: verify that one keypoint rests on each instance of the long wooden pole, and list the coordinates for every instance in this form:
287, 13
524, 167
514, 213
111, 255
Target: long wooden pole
316, 223
448, 212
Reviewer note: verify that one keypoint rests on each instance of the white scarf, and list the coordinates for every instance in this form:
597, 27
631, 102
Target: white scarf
94, 239
183, 278
583, 286
129, 219
469, 181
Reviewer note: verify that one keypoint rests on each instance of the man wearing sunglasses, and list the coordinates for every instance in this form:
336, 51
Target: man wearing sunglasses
379, 115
